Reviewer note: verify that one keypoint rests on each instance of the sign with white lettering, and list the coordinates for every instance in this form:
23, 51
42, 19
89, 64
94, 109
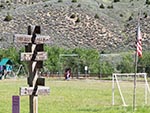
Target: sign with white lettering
26, 39
40, 56
41, 90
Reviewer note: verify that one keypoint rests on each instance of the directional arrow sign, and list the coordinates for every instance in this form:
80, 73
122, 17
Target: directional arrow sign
25, 39
30, 90
40, 56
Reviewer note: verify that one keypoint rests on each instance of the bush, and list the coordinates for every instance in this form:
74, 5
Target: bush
130, 18
2, 6
73, 16
96, 16
145, 15
60, 1
121, 15
79, 5
116, 0
78, 20
102, 6
74, 0
110, 7
8, 17
147, 2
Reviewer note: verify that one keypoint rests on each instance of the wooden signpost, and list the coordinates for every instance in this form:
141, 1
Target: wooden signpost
34, 55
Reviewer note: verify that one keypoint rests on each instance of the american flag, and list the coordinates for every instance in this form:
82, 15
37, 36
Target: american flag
139, 42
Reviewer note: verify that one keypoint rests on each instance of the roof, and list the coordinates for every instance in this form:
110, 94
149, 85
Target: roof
5, 61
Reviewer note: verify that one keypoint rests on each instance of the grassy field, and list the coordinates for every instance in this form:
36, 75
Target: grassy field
74, 96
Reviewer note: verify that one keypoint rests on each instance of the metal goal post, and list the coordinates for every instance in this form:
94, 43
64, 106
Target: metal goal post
115, 79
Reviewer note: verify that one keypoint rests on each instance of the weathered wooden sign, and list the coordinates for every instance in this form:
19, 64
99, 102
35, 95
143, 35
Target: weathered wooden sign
34, 54
40, 56
41, 90
25, 39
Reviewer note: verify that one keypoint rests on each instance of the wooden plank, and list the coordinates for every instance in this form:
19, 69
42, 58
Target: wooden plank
26, 39
40, 56
30, 91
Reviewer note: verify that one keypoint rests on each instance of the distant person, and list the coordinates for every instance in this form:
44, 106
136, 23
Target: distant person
67, 74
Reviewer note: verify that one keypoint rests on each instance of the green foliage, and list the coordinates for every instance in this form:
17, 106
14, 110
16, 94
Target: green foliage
74, 1
102, 6
78, 20
86, 57
8, 17
121, 15
116, 0
96, 16
147, 2
110, 7
10, 53
127, 64
60, 0
79, 5
106, 68
130, 18
145, 15
73, 16
144, 62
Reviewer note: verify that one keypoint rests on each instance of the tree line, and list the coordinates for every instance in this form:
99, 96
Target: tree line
78, 58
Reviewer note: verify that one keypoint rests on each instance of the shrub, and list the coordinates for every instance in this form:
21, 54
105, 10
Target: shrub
110, 7
147, 2
45, 5
2, 6
78, 20
8, 17
73, 16
145, 15
102, 6
131, 17
60, 1
74, 0
7, 2
96, 16
121, 15
116, 0
79, 5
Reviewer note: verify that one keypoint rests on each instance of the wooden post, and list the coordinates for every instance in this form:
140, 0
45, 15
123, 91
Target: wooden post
34, 55
33, 71
15, 104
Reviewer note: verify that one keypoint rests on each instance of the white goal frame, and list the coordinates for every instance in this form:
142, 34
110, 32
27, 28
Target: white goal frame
114, 77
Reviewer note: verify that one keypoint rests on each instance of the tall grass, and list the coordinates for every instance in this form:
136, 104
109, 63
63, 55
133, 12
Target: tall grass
74, 96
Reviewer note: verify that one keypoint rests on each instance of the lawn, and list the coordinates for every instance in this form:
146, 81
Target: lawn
74, 96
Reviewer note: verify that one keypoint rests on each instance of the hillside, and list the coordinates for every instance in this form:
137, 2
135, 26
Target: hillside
84, 23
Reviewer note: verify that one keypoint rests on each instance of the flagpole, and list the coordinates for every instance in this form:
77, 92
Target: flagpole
135, 73
135, 69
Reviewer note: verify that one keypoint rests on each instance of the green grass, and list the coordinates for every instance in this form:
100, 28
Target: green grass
75, 96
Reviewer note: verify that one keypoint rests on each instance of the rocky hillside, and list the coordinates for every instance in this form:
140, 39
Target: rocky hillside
104, 25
